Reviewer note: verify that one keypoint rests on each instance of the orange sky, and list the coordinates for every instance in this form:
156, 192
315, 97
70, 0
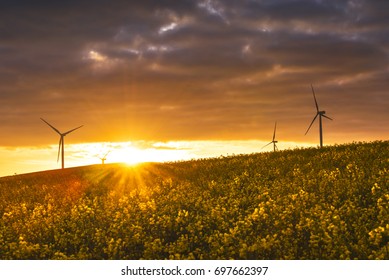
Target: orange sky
192, 70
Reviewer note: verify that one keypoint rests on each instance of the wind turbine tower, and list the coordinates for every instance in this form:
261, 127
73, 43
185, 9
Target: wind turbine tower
61, 141
104, 158
273, 141
320, 114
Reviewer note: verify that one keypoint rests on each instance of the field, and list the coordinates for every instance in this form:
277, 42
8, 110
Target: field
330, 203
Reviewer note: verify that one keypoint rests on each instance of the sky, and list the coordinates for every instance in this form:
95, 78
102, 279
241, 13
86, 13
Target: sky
140, 73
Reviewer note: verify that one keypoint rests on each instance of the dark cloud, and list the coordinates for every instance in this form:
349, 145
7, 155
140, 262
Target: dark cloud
165, 70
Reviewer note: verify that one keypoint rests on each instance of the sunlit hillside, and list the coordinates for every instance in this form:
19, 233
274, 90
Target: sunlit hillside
330, 203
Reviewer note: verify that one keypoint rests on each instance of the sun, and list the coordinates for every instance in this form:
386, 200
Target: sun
119, 152
127, 154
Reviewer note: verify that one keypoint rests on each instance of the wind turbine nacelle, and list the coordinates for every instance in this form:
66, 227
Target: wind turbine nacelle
275, 141
322, 112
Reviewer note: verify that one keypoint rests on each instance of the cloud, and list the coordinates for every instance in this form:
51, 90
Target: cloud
167, 70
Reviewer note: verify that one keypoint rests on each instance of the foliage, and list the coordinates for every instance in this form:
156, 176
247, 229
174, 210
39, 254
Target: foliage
330, 203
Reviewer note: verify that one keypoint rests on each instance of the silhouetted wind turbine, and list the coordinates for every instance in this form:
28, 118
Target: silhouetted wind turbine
320, 114
273, 141
61, 141
103, 159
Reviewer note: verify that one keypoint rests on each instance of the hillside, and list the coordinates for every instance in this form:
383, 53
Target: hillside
331, 203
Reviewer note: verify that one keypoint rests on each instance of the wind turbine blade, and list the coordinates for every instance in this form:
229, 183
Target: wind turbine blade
274, 133
107, 154
56, 130
267, 144
71, 130
327, 117
314, 97
311, 123
59, 148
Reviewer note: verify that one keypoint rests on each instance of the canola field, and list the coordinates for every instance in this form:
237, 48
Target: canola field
330, 203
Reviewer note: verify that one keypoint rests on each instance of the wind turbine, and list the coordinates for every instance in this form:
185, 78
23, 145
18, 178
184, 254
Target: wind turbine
103, 159
61, 141
320, 114
273, 141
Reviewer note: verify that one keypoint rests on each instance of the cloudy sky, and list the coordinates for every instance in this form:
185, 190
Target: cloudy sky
193, 70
